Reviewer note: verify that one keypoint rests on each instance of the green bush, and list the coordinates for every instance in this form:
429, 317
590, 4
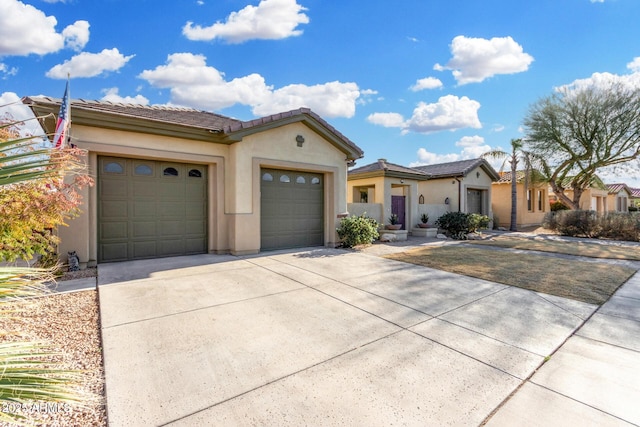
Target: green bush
458, 224
357, 230
558, 206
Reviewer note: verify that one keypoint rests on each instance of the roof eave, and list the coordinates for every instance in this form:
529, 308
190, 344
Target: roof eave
352, 151
115, 121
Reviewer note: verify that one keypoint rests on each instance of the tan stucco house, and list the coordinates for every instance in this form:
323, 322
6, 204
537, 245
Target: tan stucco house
383, 188
618, 199
592, 198
177, 181
532, 201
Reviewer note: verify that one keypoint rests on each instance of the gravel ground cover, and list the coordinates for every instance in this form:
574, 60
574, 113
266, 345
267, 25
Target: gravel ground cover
69, 322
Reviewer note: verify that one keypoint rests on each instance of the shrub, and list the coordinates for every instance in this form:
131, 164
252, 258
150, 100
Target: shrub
578, 223
558, 206
357, 230
477, 222
620, 226
458, 224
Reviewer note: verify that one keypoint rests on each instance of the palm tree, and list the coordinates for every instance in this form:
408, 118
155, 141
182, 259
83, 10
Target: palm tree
517, 155
26, 375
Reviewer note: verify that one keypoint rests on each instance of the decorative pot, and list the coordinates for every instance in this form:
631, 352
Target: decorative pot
394, 226
423, 225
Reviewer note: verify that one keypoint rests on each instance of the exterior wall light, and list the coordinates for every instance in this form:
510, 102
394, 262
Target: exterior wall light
300, 140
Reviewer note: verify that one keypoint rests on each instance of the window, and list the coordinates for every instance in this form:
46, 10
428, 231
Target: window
540, 200
170, 172
315, 181
113, 167
267, 177
529, 200
285, 178
143, 170
301, 180
364, 196
195, 173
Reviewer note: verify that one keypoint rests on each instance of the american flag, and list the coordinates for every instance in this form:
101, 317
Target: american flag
64, 119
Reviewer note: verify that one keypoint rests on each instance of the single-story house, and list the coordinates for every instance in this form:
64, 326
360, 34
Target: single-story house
618, 197
383, 188
178, 181
532, 201
464, 186
593, 198
634, 200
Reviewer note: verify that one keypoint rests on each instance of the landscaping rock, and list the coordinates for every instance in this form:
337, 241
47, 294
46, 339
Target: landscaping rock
388, 237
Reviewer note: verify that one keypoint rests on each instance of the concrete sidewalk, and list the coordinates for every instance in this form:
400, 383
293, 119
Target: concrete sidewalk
332, 337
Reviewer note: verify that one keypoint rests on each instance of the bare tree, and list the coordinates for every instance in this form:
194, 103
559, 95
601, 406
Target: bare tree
580, 130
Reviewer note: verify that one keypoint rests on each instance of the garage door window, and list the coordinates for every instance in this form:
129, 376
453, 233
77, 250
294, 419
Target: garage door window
195, 173
315, 181
301, 180
267, 177
285, 178
170, 172
113, 167
143, 170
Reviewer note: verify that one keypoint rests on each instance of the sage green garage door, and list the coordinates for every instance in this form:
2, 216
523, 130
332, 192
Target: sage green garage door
150, 209
292, 209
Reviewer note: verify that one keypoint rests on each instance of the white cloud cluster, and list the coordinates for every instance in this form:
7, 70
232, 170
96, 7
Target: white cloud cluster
87, 64
111, 95
193, 83
603, 80
473, 148
5, 71
476, 59
269, 20
634, 65
449, 113
426, 83
25, 30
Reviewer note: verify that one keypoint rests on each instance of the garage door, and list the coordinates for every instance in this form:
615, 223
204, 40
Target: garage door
292, 209
150, 209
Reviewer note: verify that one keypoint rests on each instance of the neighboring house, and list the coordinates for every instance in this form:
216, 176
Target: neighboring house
176, 181
593, 198
382, 188
465, 185
634, 200
532, 201
618, 197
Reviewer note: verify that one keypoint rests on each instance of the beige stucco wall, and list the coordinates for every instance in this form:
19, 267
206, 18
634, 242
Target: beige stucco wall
501, 205
233, 180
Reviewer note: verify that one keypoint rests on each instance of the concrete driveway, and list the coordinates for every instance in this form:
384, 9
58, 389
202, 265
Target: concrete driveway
323, 337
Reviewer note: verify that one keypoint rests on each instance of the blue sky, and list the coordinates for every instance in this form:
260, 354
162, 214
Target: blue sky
412, 81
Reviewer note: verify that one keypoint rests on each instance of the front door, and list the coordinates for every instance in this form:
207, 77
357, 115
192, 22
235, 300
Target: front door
397, 208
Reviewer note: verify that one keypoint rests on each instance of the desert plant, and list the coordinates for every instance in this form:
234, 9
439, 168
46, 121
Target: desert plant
358, 230
558, 206
577, 223
393, 219
454, 224
477, 222
424, 218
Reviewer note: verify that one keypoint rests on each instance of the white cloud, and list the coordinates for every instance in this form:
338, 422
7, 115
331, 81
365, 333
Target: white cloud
269, 20
603, 80
76, 36
449, 113
428, 158
5, 71
470, 141
634, 65
12, 109
111, 95
193, 83
476, 59
89, 64
426, 83
25, 30
597, 1
388, 120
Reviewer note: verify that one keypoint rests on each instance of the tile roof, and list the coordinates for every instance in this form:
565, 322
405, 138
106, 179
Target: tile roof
459, 168
505, 176
616, 188
635, 192
165, 114
382, 165
197, 119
